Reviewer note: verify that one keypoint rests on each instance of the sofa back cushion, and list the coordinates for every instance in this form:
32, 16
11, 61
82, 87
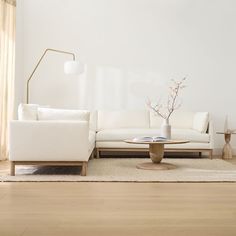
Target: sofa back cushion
155, 120
201, 121
179, 119
123, 119
28, 111
62, 114
183, 120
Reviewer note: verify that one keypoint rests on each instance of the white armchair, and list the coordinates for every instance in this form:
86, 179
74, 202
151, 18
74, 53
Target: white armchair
50, 142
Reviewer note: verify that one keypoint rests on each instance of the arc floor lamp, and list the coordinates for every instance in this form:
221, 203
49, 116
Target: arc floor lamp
70, 67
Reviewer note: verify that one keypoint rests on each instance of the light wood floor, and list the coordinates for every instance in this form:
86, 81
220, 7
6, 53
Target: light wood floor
48, 209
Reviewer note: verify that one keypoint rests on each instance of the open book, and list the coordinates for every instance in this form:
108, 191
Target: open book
149, 139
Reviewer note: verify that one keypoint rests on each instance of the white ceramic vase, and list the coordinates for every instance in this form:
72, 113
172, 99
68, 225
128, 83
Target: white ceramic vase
166, 129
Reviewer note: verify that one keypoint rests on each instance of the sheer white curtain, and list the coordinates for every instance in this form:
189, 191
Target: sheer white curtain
7, 70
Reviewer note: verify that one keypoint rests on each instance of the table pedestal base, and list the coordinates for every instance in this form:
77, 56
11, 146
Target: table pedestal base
155, 166
156, 153
227, 152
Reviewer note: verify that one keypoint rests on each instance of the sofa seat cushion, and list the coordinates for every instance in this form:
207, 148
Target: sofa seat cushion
123, 145
122, 134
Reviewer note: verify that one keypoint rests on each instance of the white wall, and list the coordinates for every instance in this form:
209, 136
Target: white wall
131, 48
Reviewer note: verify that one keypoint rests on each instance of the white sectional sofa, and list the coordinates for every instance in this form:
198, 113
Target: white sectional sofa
45, 136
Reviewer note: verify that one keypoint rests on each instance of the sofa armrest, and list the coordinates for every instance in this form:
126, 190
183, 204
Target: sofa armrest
49, 140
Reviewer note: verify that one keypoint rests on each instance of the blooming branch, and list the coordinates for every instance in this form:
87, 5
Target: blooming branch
172, 101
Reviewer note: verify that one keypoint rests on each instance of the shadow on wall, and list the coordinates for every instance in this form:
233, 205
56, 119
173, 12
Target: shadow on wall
105, 87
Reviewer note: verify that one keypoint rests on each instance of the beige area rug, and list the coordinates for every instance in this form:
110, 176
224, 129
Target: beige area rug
124, 170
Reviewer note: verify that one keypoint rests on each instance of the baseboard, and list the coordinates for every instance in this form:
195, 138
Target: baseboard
217, 151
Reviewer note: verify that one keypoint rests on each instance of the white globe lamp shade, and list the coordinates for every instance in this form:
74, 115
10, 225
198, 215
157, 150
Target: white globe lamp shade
73, 67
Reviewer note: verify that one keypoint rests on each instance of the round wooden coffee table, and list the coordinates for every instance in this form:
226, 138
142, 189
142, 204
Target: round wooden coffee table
156, 153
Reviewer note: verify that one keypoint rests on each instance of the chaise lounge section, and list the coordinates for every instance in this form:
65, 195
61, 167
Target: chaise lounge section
54, 137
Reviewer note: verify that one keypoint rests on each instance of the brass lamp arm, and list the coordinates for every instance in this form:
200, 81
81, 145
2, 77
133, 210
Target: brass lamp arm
41, 58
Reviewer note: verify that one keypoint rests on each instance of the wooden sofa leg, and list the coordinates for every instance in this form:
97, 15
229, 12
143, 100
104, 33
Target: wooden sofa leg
200, 154
211, 154
84, 168
97, 153
92, 155
12, 166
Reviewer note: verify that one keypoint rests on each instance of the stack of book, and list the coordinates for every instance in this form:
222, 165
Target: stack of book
150, 139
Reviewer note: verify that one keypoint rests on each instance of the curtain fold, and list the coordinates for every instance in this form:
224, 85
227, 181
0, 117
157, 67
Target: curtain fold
7, 70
